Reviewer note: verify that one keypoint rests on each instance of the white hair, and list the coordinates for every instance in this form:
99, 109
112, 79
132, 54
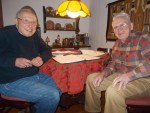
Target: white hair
123, 15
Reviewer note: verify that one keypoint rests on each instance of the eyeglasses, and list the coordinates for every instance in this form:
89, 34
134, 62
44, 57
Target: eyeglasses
25, 21
121, 26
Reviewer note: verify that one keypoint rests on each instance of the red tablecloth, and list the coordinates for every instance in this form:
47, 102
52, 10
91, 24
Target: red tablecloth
71, 77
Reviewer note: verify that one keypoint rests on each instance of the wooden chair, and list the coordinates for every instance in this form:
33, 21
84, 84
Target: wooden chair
138, 105
8, 103
104, 49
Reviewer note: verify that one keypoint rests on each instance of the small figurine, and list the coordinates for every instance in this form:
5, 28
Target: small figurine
47, 40
57, 41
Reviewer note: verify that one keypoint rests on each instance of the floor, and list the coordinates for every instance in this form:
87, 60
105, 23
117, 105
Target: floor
77, 108
74, 102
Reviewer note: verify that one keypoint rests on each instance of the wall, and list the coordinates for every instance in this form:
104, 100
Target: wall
98, 24
95, 25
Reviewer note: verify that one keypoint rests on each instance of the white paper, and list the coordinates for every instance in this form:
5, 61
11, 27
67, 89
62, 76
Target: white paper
68, 59
86, 55
55, 53
92, 52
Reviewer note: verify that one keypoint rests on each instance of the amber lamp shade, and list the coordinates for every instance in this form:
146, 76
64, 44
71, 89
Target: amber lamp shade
73, 9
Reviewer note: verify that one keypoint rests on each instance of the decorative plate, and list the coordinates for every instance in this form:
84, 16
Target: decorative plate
50, 11
58, 26
49, 24
69, 26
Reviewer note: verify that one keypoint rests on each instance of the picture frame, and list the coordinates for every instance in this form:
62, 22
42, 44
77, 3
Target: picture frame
138, 11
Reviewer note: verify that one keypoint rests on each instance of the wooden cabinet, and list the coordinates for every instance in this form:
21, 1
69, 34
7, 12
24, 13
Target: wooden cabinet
1, 15
139, 11
53, 25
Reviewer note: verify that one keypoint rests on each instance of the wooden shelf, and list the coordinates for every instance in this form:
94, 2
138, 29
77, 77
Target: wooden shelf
60, 30
46, 15
57, 16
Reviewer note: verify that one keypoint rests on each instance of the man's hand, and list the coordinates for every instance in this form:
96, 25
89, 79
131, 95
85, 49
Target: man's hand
37, 61
23, 63
98, 79
122, 80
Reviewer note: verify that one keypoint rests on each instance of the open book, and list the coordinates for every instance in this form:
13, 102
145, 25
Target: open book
76, 58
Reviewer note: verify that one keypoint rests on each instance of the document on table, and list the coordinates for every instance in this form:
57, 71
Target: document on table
86, 55
73, 58
67, 59
55, 53
92, 52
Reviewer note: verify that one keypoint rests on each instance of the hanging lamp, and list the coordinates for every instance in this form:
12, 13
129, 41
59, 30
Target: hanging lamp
73, 9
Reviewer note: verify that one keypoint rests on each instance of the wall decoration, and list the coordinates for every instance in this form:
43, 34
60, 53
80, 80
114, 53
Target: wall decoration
139, 11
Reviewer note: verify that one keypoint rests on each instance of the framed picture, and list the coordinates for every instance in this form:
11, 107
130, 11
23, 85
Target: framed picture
113, 8
135, 8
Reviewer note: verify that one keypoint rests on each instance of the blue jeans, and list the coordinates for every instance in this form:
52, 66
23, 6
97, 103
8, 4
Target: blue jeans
39, 89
